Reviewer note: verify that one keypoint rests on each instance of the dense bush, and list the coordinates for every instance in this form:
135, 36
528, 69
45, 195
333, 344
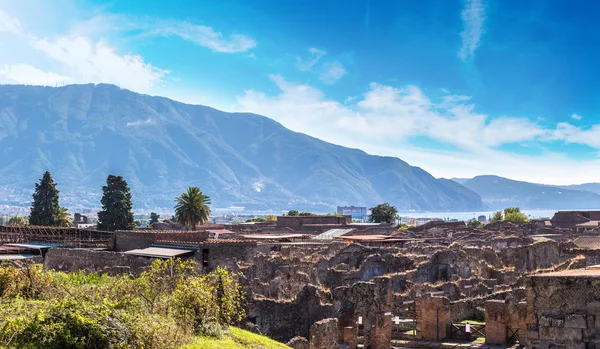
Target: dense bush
162, 308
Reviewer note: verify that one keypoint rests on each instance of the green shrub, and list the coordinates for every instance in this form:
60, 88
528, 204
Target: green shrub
162, 308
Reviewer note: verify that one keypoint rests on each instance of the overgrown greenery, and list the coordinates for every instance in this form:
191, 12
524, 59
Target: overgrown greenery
383, 213
163, 308
511, 215
18, 221
474, 223
45, 209
116, 211
192, 208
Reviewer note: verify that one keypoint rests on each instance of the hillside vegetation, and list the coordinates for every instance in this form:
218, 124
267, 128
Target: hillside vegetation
82, 133
169, 306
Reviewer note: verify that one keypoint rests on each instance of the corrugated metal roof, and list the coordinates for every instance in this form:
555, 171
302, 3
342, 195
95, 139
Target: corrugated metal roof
15, 256
332, 233
35, 245
159, 252
588, 242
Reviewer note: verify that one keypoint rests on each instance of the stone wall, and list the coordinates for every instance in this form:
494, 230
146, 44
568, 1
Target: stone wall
433, 316
131, 240
563, 309
72, 260
323, 334
296, 222
284, 320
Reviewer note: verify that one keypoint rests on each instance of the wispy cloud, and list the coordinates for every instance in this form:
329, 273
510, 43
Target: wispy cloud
332, 72
576, 117
473, 17
385, 119
9, 24
148, 122
308, 63
87, 61
207, 37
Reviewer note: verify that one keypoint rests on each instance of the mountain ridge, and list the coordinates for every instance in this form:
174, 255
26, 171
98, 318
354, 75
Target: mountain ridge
499, 192
81, 133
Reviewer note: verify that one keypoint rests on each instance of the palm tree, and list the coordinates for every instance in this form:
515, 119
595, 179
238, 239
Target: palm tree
192, 208
63, 217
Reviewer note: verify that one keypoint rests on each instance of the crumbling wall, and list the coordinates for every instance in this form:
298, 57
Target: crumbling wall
285, 320
73, 260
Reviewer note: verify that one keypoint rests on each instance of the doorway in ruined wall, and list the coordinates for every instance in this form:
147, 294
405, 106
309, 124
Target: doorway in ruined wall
404, 324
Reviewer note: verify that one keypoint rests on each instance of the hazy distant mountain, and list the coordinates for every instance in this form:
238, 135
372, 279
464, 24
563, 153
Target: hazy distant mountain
81, 133
591, 187
498, 192
459, 180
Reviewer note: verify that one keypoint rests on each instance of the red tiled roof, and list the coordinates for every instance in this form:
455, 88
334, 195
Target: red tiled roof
272, 236
220, 231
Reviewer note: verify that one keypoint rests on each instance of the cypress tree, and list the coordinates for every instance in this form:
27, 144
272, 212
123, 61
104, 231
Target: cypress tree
45, 208
116, 211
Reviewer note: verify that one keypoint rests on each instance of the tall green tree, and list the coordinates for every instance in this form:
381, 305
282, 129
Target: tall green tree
45, 207
293, 213
116, 211
192, 208
383, 213
154, 217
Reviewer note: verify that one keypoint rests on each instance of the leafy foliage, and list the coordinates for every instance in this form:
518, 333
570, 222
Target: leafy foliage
64, 217
162, 308
154, 217
383, 213
44, 207
306, 214
511, 215
116, 211
18, 221
474, 223
293, 213
271, 218
192, 208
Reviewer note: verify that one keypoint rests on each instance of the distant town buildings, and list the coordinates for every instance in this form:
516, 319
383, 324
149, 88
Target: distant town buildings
357, 213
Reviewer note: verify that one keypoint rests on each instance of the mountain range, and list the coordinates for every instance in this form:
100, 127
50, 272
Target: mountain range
82, 133
498, 193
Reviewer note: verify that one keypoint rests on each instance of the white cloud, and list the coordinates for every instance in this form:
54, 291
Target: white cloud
473, 17
332, 72
308, 64
576, 117
28, 75
207, 37
9, 24
386, 114
148, 122
385, 120
87, 61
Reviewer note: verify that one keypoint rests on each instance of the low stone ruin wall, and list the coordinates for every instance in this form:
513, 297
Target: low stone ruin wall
73, 260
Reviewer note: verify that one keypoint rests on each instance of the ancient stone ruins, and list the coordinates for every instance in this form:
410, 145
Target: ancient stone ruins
323, 282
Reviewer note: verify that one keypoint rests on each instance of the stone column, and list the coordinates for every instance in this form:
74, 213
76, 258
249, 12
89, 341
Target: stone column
381, 336
323, 334
495, 322
433, 318
349, 337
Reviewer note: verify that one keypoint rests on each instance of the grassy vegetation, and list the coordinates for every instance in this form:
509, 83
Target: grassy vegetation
166, 307
235, 338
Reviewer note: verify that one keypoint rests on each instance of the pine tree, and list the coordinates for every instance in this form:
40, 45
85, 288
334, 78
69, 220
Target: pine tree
116, 211
45, 208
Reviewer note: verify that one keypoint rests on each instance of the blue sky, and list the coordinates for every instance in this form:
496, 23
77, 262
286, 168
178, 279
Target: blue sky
459, 88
